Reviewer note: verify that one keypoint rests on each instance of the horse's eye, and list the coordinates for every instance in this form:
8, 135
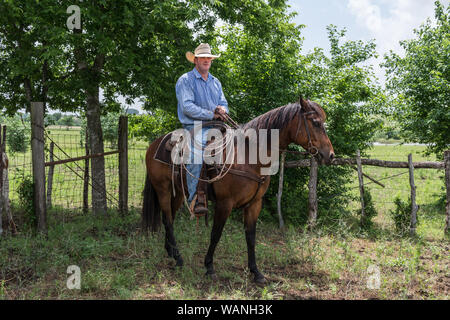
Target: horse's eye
316, 123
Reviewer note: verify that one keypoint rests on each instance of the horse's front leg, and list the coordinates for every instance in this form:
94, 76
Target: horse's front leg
250, 217
221, 214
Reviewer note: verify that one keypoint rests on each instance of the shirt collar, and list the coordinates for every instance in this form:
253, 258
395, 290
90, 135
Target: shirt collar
198, 75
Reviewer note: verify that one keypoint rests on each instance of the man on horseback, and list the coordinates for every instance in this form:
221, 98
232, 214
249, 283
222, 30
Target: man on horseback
200, 98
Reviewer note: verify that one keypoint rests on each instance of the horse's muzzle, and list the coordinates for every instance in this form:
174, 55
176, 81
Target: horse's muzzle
326, 157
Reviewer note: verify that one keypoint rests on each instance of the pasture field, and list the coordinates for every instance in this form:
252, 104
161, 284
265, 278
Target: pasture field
118, 261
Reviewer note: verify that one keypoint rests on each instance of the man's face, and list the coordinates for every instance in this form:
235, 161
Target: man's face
203, 64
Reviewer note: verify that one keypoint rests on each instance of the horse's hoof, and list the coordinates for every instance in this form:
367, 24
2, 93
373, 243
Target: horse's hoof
179, 263
260, 280
211, 275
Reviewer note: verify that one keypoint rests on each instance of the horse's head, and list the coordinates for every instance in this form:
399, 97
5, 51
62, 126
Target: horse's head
311, 133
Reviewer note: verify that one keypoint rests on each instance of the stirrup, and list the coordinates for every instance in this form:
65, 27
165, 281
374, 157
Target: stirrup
201, 206
200, 210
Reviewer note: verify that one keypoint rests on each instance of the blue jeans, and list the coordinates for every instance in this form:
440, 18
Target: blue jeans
195, 167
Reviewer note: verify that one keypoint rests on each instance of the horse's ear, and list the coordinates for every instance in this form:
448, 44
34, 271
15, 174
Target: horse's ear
302, 102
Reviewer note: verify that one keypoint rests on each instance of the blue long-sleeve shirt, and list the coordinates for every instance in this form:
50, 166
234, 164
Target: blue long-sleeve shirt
197, 98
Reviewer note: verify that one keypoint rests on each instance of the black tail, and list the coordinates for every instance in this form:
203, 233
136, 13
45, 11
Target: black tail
151, 210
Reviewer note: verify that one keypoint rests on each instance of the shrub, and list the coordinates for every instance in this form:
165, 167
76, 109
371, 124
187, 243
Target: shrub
402, 216
26, 199
18, 135
369, 210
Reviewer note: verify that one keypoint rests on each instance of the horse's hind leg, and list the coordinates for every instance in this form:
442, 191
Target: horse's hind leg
222, 211
176, 203
250, 216
170, 243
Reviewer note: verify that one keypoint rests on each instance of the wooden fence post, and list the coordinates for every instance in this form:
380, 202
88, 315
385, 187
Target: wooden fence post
280, 190
38, 163
51, 169
123, 164
414, 207
361, 185
86, 175
312, 195
4, 183
447, 185
2, 164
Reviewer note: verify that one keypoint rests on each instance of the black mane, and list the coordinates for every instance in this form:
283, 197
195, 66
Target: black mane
274, 119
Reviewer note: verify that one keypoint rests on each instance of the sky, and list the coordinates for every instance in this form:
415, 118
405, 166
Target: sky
385, 21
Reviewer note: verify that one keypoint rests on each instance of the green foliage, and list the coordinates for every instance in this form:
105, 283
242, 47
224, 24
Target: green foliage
67, 121
347, 90
26, 200
260, 72
18, 134
110, 126
420, 83
369, 210
402, 216
148, 127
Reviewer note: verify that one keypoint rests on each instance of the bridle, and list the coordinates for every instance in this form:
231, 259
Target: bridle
312, 150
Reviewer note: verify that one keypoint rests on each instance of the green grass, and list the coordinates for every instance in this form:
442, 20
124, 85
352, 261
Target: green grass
117, 261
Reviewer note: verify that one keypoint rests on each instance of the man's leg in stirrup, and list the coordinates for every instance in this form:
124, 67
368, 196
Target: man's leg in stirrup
201, 204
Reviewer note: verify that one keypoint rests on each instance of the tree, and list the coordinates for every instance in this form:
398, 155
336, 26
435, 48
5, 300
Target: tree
31, 54
18, 137
130, 47
262, 71
148, 127
420, 84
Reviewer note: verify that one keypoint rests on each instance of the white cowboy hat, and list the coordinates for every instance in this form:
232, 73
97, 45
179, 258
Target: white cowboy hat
203, 50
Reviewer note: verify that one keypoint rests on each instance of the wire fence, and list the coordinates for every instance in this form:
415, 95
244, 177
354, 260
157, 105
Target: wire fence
69, 190
429, 183
68, 187
390, 181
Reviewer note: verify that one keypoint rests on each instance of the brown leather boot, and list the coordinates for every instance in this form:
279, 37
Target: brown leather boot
201, 204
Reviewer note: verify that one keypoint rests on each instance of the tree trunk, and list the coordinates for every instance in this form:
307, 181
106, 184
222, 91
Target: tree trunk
95, 132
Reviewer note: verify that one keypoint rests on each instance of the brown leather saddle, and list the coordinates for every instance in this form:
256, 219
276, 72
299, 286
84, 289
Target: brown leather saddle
163, 153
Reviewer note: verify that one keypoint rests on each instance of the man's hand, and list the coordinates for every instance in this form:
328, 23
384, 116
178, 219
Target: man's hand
218, 116
220, 109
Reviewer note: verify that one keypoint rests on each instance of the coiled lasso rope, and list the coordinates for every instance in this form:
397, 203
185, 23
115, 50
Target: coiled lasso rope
218, 146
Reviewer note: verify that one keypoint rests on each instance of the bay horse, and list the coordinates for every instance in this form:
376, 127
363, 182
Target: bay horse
301, 123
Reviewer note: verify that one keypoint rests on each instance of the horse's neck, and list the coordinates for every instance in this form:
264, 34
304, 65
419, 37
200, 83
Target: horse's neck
285, 135
284, 140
